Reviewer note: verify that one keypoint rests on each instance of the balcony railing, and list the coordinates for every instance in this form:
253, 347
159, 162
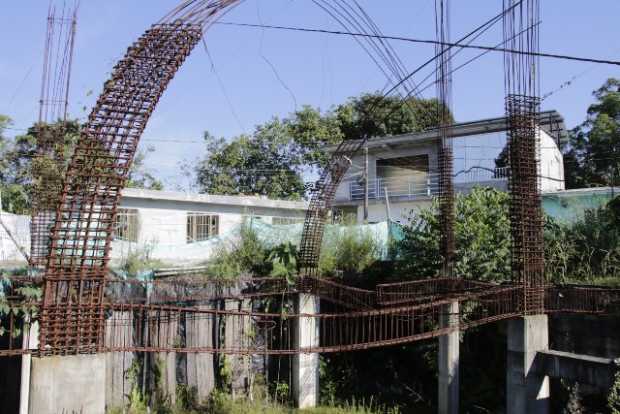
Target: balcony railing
414, 187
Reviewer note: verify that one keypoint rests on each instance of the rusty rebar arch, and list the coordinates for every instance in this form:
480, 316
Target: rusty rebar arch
72, 313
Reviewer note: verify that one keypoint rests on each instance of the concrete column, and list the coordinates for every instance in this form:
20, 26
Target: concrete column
68, 384
31, 341
306, 365
526, 392
448, 361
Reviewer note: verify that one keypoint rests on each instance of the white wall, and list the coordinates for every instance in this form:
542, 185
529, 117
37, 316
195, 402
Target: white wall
19, 226
551, 164
163, 227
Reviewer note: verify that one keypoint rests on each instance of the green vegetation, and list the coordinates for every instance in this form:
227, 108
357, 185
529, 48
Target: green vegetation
586, 252
22, 175
246, 256
482, 231
220, 403
347, 250
613, 399
24, 309
592, 156
271, 160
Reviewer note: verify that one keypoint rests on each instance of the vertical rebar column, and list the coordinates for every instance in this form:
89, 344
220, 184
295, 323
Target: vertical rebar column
445, 155
72, 316
48, 162
522, 109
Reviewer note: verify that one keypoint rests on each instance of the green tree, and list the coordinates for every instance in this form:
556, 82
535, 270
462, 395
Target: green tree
482, 231
272, 160
613, 399
261, 164
24, 175
140, 176
27, 174
592, 157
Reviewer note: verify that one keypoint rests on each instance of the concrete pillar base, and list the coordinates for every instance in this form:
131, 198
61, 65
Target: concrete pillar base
526, 391
68, 384
448, 362
306, 365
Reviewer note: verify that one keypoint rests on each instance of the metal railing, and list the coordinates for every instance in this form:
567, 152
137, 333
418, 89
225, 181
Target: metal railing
416, 186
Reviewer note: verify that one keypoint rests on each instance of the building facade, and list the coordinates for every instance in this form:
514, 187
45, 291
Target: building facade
403, 173
185, 228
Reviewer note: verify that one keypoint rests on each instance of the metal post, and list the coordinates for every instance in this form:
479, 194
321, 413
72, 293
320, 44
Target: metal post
366, 184
387, 204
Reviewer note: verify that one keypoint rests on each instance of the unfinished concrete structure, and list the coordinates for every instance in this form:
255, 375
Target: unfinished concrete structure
75, 309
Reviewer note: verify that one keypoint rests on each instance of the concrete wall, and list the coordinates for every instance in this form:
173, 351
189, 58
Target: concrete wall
163, 222
19, 226
596, 335
67, 384
551, 164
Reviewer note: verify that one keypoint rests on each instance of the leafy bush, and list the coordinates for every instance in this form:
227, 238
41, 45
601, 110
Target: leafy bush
613, 399
349, 250
587, 251
246, 256
482, 231
596, 244
283, 260
139, 260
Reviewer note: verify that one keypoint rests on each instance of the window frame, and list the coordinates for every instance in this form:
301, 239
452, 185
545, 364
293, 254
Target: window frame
127, 225
201, 226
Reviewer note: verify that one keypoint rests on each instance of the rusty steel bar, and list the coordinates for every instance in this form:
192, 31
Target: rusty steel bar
522, 112
72, 317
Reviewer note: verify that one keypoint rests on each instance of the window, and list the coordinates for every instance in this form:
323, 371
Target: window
126, 225
286, 220
202, 227
395, 168
344, 215
403, 176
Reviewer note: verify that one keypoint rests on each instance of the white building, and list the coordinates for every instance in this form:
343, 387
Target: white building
185, 228
405, 167
176, 228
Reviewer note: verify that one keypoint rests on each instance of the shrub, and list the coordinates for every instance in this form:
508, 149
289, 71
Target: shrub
596, 242
613, 399
347, 249
482, 231
244, 257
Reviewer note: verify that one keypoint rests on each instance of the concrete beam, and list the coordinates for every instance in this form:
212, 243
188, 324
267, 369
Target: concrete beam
527, 391
584, 369
306, 365
449, 361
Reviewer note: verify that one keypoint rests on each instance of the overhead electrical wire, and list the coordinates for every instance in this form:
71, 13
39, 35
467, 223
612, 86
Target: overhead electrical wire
428, 41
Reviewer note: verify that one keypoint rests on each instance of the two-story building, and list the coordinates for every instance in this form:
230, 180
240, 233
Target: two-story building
403, 173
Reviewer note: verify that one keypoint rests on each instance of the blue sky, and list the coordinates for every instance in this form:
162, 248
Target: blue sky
320, 70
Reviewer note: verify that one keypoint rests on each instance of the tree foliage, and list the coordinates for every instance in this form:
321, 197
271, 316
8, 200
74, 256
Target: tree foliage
613, 399
592, 157
273, 159
482, 231
23, 175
